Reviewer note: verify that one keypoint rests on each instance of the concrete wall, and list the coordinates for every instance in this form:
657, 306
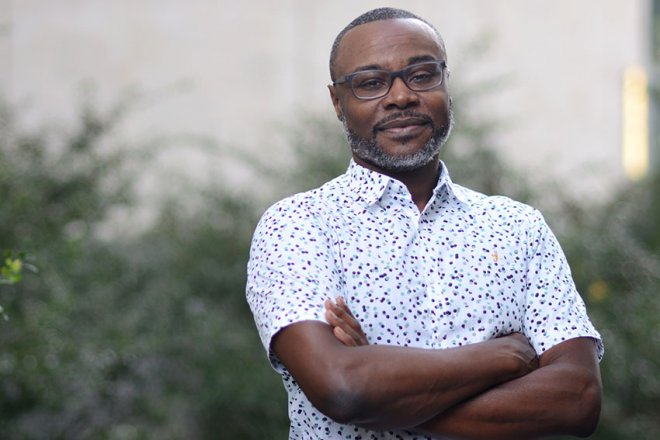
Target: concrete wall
235, 70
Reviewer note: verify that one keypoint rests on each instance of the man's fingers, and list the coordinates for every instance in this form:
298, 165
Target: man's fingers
345, 327
343, 337
345, 314
333, 319
339, 324
342, 303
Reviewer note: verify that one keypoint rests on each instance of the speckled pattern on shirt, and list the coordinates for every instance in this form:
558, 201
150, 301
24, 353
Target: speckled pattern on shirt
468, 268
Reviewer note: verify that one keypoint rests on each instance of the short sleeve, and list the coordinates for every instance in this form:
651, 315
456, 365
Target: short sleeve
554, 311
291, 271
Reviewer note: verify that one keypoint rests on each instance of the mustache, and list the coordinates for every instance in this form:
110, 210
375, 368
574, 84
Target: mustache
403, 114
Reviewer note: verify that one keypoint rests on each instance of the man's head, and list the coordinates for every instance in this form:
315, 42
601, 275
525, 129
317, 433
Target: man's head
400, 128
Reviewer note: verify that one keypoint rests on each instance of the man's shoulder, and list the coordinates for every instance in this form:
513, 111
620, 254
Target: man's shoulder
312, 203
495, 206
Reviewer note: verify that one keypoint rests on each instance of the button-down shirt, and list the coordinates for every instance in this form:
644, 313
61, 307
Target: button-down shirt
468, 268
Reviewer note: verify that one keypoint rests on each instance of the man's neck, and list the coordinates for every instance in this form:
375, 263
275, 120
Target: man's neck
420, 182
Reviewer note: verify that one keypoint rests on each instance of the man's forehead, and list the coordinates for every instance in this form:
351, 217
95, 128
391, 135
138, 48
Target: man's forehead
385, 38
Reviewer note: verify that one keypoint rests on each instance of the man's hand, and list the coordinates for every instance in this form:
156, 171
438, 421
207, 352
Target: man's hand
344, 325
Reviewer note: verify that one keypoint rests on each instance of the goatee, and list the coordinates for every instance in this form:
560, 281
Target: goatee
370, 151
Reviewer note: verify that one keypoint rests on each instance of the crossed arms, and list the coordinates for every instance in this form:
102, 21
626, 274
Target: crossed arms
496, 389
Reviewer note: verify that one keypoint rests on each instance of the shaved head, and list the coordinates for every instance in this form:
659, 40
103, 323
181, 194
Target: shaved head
371, 16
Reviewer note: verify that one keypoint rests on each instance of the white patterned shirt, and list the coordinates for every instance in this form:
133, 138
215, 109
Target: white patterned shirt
468, 268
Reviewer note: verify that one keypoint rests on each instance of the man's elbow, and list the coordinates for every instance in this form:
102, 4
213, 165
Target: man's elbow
588, 408
350, 403
341, 401
342, 407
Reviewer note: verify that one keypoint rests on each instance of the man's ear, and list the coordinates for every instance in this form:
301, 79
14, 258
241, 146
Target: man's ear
335, 101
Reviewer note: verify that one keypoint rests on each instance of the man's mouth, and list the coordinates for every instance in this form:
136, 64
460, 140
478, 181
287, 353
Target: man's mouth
403, 126
403, 122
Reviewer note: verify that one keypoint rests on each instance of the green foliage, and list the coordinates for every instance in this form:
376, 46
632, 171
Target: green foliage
11, 271
137, 336
56, 188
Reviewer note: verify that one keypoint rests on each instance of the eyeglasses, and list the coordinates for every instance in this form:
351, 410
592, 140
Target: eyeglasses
372, 84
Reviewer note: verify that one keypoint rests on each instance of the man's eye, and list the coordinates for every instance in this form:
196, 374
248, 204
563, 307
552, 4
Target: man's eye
370, 83
421, 77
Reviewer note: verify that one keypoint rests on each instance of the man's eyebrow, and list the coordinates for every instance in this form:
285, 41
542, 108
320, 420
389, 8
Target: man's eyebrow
421, 59
369, 67
411, 60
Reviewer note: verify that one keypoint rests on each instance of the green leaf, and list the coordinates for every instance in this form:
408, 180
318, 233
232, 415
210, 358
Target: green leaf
11, 271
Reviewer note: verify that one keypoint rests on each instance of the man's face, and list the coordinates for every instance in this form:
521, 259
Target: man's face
403, 130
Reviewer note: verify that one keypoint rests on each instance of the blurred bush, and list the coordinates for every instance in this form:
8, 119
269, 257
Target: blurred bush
147, 335
614, 251
123, 336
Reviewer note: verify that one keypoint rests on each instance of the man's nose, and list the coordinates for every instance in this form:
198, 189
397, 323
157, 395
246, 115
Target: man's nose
400, 95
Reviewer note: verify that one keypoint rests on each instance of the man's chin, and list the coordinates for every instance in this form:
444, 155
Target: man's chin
396, 155
401, 163
400, 151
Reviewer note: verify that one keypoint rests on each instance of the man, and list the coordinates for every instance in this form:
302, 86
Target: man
397, 304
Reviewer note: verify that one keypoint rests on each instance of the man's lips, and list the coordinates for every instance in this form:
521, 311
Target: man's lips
401, 123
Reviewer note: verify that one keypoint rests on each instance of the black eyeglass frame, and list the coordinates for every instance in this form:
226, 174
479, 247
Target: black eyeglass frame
391, 77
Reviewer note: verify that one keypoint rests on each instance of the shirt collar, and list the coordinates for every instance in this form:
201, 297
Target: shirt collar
370, 186
453, 190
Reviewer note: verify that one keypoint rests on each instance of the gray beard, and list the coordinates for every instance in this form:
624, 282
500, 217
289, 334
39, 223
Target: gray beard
370, 151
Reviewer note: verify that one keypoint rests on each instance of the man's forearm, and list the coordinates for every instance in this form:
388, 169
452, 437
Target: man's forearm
561, 397
387, 387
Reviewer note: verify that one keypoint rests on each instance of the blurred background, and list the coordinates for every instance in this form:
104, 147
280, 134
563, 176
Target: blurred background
140, 141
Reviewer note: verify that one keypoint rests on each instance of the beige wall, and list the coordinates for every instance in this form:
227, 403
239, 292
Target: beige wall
235, 70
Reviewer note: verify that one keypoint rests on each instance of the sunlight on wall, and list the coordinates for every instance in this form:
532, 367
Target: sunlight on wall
635, 148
